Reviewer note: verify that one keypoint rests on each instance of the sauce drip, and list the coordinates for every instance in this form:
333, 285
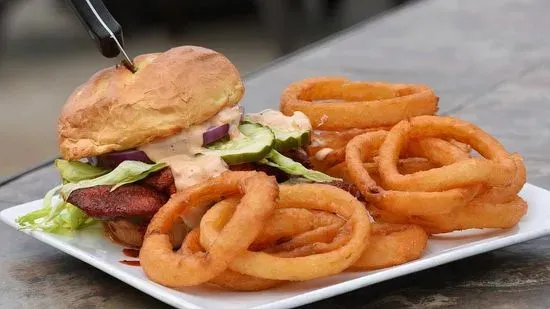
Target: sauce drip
133, 253
188, 171
130, 263
189, 161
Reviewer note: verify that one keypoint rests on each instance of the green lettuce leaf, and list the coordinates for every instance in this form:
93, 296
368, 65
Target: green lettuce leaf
61, 217
75, 171
289, 166
125, 173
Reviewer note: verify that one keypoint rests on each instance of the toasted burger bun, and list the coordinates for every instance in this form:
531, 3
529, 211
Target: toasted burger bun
127, 233
116, 110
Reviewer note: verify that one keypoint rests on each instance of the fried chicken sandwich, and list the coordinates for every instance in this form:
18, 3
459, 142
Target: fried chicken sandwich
130, 140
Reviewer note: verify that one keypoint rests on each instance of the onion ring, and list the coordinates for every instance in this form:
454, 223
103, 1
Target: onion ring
185, 268
438, 151
473, 216
356, 104
305, 230
392, 244
284, 224
465, 147
229, 279
287, 229
309, 196
404, 203
289, 222
498, 169
508, 193
478, 215
405, 166
389, 245
321, 240
238, 282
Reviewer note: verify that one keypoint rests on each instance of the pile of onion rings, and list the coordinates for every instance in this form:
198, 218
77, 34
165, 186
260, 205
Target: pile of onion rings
186, 267
340, 109
450, 190
418, 174
258, 235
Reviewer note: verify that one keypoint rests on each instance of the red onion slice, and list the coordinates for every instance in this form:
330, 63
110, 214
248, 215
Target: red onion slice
113, 159
215, 134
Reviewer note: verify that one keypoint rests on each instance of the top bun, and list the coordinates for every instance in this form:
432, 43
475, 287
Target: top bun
116, 110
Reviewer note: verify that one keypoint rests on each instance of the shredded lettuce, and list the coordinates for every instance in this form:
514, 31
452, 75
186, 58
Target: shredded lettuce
61, 217
57, 217
75, 171
289, 166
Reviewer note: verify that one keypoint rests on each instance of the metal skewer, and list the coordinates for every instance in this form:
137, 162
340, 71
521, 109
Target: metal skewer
103, 29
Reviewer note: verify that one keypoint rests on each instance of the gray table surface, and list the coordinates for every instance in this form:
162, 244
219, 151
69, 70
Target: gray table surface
490, 63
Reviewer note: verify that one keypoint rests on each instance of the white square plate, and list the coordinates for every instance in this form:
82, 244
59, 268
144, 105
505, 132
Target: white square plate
91, 247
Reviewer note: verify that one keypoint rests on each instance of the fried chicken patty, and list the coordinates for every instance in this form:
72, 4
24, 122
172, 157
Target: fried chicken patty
162, 181
132, 200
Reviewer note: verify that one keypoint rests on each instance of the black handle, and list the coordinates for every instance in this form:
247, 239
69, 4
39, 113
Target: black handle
95, 16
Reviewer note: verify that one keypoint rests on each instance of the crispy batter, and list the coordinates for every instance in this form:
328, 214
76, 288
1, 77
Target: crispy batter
334, 103
269, 170
356, 232
349, 187
187, 268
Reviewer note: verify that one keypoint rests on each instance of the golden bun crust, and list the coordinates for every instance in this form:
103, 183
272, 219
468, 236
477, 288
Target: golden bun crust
116, 110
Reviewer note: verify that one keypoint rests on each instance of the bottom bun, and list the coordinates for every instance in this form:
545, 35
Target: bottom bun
130, 234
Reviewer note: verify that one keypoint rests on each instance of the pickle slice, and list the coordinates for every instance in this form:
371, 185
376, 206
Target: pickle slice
291, 167
285, 140
256, 142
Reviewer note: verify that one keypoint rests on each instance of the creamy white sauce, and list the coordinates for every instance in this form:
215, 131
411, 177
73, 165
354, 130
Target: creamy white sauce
189, 161
188, 171
189, 141
277, 120
323, 153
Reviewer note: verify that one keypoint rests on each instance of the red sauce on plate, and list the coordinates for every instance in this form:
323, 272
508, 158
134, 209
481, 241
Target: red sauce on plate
133, 253
130, 263
129, 252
